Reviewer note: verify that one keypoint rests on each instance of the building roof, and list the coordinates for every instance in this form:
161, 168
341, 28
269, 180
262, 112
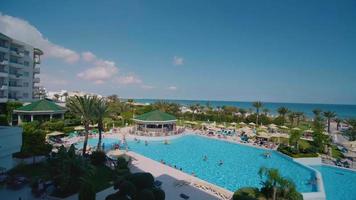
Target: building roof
42, 105
155, 116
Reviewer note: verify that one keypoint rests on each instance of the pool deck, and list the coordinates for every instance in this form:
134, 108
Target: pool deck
170, 177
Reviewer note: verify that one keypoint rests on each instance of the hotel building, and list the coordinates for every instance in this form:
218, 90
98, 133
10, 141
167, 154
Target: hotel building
19, 70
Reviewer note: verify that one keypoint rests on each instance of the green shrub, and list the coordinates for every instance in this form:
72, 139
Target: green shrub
98, 158
145, 194
141, 180
68, 129
3, 120
159, 194
122, 163
247, 193
127, 188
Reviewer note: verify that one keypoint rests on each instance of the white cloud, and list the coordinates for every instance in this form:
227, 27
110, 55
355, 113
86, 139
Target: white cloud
147, 87
99, 70
88, 56
102, 71
178, 60
129, 79
172, 88
22, 30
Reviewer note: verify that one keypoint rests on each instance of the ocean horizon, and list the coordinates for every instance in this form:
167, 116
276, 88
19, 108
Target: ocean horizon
343, 111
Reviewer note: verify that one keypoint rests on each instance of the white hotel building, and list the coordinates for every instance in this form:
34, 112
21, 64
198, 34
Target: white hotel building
19, 68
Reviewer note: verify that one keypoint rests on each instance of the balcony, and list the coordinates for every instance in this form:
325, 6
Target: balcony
36, 80
16, 64
4, 74
36, 70
4, 62
4, 87
3, 99
4, 48
15, 75
17, 53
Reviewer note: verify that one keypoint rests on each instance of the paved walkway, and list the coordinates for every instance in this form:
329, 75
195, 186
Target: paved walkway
170, 177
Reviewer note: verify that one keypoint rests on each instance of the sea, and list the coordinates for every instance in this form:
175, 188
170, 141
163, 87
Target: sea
342, 111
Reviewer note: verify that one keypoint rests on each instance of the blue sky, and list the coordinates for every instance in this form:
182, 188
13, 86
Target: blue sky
280, 51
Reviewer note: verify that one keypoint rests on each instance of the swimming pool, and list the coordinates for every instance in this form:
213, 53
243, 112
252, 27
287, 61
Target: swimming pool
339, 184
241, 163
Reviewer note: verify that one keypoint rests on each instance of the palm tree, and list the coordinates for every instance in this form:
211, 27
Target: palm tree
258, 105
265, 111
292, 116
338, 122
273, 181
83, 107
282, 111
100, 110
65, 95
329, 115
299, 116
317, 112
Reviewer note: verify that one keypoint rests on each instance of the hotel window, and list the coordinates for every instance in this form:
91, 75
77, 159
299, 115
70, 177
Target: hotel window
26, 63
27, 53
25, 84
25, 95
26, 74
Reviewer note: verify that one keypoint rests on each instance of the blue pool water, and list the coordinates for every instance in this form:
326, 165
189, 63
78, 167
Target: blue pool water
339, 184
241, 163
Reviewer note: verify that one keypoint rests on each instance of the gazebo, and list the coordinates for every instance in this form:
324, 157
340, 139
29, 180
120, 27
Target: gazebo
41, 110
155, 122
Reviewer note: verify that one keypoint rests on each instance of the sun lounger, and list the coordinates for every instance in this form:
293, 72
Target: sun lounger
184, 196
157, 183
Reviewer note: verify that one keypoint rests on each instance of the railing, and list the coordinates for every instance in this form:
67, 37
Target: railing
37, 70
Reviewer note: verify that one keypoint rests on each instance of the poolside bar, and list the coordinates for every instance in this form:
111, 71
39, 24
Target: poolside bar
155, 123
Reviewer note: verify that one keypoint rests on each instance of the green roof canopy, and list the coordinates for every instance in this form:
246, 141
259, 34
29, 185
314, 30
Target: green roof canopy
43, 105
155, 116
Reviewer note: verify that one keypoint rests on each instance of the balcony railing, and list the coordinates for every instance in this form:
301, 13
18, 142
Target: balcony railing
36, 80
37, 70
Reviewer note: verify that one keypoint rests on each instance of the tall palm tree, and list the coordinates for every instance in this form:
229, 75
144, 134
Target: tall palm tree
282, 111
299, 116
265, 111
317, 112
338, 122
258, 105
100, 111
83, 107
329, 115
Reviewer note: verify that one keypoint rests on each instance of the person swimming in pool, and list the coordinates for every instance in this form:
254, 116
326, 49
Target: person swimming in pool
205, 158
221, 162
146, 143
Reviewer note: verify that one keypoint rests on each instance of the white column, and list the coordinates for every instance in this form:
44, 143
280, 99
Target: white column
50, 117
31, 118
19, 120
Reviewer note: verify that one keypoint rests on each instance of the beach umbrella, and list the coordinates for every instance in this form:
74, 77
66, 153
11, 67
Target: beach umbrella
263, 135
79, 128
220, 126
283, 127
309, 131
93, 125
233, 123
263, 127
252, 124
296, 129
242, 124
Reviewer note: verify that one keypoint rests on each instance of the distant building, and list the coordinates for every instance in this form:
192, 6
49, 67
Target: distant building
62, 95
19, 67
10, 142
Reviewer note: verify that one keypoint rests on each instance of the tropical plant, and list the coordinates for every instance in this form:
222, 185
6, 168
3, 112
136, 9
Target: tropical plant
317, 112
246, 193
100, 111
258, 105
87, 189
329, 115
295, 138
265, 111
83, 107
282, 111
276, 186
338, 123
351, 133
